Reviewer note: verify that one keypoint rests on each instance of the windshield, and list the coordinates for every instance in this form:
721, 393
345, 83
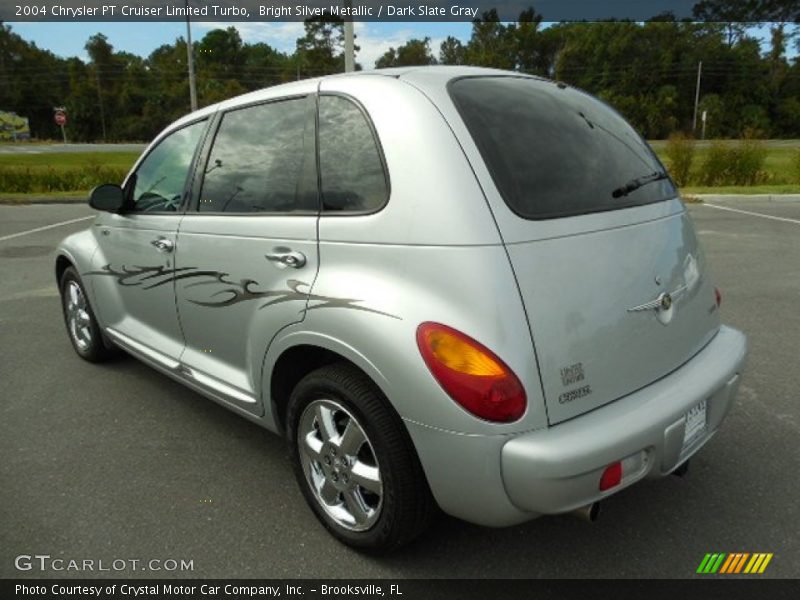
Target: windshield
554, 151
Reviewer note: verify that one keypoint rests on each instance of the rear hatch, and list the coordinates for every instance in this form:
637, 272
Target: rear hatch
607, 261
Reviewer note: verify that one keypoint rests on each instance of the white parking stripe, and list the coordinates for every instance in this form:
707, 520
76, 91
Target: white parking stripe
754, 214
45, 228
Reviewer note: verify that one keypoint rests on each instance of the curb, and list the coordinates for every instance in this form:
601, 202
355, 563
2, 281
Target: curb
765, 197
41, 200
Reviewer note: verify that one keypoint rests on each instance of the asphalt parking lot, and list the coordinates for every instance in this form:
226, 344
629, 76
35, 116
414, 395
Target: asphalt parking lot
117, 461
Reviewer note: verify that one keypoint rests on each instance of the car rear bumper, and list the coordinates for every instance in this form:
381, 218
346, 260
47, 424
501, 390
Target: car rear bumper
559, 469
501, 480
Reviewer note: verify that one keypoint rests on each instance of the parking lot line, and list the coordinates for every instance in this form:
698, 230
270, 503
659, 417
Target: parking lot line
45, 228
754, 214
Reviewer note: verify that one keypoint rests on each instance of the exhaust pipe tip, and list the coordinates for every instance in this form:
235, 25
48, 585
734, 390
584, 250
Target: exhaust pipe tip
588, 513
682, 470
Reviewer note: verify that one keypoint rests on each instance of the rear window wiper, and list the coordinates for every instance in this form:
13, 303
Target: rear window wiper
635, 184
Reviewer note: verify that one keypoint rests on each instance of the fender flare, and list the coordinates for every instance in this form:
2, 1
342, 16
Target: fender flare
294, 335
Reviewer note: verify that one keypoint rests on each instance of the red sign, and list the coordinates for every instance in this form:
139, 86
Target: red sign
60, 117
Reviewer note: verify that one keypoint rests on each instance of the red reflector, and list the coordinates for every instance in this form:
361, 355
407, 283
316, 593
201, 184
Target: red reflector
718, 296
611, 476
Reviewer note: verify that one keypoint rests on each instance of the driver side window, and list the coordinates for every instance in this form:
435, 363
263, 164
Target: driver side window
161, 177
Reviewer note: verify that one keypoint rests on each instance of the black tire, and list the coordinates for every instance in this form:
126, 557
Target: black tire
406, 505
92, 347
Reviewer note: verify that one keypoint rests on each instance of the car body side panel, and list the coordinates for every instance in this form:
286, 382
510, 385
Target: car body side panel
231, 313
134, 282
373, 298
78, 248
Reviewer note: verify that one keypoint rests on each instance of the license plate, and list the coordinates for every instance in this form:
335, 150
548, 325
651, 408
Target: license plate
695, 423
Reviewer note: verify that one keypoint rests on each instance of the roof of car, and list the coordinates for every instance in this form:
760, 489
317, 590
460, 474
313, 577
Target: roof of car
437, 74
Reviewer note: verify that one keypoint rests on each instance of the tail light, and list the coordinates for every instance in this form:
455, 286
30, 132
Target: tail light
471, 374
718, 296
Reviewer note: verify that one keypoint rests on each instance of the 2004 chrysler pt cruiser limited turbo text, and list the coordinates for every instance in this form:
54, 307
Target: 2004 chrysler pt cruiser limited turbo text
446, 287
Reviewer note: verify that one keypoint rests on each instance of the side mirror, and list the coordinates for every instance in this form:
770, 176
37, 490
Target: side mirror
107, 197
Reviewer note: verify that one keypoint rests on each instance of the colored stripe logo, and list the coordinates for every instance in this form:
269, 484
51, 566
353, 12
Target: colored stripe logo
734, 563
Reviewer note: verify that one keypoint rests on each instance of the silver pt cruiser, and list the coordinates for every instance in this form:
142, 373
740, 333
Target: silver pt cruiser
446, 287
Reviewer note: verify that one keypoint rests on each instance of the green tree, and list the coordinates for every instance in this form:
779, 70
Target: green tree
104, 77
787, 118
413, 52
734, 16
321, 50
490, 44
646, 70
451, 51
32, 82
524, 38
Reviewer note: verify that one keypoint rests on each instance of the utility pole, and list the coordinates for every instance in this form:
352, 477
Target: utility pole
349, 42
100, 98
697, 95
190, 61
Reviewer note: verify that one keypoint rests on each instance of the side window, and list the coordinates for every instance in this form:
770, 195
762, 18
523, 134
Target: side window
256, 162
351, 170
161, 177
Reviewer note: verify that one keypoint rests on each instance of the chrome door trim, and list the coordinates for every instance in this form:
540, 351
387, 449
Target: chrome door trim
204, 383
215, 386
146, 351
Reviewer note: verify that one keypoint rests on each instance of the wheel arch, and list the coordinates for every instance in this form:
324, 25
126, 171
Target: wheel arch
297, 354
63, 262
76, 250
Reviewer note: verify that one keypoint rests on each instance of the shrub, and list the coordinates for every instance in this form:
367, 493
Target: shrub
738, 164
715, 163
680, 156
747, 163
48, 179
796, 165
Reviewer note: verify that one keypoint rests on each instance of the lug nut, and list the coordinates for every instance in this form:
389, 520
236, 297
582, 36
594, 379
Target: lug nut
327, 460
344, 477
334, 476
333, 451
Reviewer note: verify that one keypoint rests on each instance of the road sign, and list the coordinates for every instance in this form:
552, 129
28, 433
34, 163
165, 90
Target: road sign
60, 117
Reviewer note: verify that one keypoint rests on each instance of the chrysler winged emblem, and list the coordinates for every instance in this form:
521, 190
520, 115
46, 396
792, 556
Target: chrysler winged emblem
662, 304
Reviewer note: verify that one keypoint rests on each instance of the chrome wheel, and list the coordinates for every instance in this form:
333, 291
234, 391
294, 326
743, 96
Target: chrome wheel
77, 312
340, 465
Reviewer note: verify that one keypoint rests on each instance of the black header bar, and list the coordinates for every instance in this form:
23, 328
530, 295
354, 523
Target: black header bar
393, 10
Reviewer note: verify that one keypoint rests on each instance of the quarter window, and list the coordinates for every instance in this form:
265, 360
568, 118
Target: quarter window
351, 170
160, 180
256, 162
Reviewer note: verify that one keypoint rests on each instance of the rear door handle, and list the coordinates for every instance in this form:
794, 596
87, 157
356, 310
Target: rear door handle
283, 257
163, 244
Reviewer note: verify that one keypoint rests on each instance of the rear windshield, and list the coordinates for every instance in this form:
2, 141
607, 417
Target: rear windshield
554, 151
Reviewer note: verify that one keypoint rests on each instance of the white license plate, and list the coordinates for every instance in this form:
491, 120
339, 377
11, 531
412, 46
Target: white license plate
695, 423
